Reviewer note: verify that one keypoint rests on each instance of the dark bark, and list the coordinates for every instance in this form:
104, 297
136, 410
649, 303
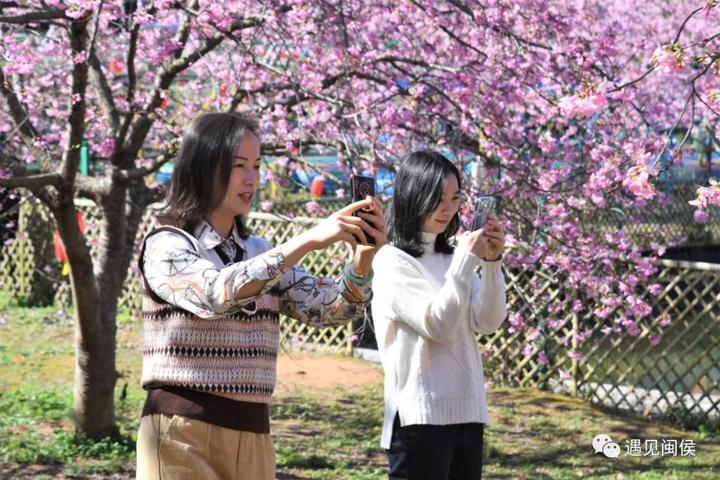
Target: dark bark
95, 376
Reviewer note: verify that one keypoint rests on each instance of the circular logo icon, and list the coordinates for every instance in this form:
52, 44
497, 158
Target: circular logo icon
600, 441
364, 189
611, 450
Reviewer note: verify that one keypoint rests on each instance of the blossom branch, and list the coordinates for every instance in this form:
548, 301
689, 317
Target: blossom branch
17, 110
142, 172
100, 82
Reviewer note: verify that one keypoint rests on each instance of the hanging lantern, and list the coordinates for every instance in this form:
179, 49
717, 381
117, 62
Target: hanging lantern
60, 248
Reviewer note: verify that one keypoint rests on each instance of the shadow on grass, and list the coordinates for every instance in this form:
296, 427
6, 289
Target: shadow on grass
25, 470
539, 432
337, 435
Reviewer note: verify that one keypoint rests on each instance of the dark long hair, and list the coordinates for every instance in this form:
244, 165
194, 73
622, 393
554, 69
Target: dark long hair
203, 167
417, 193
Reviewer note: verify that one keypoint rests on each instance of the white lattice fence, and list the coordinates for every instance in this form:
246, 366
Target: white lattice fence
679, 377
17, 262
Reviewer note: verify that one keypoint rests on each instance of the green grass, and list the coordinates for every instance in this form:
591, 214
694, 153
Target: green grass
336, 435
318, 434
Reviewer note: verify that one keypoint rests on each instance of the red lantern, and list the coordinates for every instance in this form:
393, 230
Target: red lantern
60, 248
116, 67
317, 186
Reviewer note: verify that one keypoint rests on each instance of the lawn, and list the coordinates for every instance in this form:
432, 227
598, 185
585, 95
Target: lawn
322, 430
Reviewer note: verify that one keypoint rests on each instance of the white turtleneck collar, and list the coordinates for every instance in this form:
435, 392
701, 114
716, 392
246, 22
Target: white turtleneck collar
428, 241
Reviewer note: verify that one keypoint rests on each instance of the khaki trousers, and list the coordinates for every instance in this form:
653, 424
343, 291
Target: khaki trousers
180, 448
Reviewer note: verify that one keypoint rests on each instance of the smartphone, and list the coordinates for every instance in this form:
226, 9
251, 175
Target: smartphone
484, 207
362, 186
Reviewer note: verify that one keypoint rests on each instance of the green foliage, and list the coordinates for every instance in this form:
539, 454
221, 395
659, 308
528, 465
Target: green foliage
67, 448
25, 407
35, 426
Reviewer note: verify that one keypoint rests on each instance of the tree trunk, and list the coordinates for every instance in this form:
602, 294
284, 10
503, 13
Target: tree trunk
95, 372
95, 377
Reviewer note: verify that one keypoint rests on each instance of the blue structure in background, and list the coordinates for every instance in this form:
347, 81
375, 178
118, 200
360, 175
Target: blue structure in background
693, 166
336, 178
164, 174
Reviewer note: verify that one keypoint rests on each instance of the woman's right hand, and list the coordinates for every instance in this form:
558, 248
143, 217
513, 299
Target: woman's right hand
474, 242
342, 225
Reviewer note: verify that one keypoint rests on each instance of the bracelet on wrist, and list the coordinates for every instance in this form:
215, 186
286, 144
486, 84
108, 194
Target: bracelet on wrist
357, 279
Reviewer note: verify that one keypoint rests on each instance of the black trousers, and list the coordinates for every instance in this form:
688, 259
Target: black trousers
436, 452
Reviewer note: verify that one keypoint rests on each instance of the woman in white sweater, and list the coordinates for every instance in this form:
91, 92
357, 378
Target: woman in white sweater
428, 305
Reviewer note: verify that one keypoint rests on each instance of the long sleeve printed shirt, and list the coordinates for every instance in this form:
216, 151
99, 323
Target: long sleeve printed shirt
204, 280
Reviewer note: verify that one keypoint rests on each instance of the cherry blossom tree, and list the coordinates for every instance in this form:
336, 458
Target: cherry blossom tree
568, 108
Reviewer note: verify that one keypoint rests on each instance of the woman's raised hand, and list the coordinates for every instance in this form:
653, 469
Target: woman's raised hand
494, 232
344, 226
487, 243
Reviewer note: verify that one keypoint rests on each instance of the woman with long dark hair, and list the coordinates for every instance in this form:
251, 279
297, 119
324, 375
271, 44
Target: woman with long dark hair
428, 305
213, 296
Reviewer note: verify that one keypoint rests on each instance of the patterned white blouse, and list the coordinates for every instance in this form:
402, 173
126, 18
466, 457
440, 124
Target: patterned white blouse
201, 275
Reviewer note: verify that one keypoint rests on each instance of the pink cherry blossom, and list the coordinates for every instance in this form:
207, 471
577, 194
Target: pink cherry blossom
562, 107
670, 59
517, 322
543, 359
707, 196
314, 208
77, 9
637, 181
582, 106
700, 216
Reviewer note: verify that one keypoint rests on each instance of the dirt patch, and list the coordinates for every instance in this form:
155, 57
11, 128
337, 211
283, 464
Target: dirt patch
323, 372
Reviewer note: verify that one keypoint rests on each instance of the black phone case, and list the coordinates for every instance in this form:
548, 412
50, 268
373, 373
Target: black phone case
362, 186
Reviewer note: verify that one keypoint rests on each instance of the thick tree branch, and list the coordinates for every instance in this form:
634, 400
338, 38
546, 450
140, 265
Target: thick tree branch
130, 92
37, 16
91, 187
76, 120
99, 79
32, 182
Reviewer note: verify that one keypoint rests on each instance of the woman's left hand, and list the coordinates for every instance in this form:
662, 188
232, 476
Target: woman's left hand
495, 234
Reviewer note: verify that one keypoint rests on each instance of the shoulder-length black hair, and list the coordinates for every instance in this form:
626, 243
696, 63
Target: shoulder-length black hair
417, 192
203, 167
